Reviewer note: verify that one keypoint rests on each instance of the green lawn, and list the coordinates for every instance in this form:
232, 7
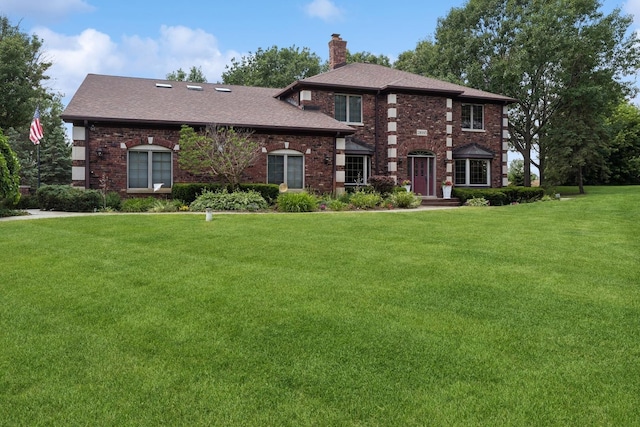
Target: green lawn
515, 315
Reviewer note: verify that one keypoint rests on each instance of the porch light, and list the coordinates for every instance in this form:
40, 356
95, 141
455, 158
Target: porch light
99, 152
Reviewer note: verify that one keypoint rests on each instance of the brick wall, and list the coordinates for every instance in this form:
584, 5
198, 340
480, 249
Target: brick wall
115, 141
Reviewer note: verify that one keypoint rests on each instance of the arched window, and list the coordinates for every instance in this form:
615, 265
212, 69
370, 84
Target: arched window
149, 165
286, 166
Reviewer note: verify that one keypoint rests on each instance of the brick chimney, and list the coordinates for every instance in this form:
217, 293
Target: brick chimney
337, 52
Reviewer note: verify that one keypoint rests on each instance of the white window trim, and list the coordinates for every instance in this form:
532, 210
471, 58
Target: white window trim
471, 129
166, 188
287, 152
348, 121
467, 173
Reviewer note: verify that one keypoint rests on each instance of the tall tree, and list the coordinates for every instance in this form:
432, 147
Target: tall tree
623, 161
9, 177
218, 151
195, 75
369, 58
526, 50
22, 71
273, 67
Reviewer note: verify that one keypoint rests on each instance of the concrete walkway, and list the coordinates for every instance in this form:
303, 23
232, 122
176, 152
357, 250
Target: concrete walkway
38, 214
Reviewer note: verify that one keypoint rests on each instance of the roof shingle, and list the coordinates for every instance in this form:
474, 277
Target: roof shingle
127, 99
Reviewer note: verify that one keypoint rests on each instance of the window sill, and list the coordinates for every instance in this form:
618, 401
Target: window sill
474, 130
148, 191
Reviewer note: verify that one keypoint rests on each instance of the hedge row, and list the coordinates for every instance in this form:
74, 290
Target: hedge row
500, 196
189, 192
68, 199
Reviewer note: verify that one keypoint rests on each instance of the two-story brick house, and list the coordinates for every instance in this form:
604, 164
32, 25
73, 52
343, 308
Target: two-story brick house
326, 132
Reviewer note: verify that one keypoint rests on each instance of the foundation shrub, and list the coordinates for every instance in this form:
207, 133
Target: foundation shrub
68, 199
188, 192
404, 200
382, 184
225, 201
495, 196
297, 202
138, 204
365, 200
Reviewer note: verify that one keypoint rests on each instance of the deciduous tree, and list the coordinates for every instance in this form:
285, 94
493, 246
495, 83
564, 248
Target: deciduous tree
9, 177
217, 151
527, 50
272, 67
195, 75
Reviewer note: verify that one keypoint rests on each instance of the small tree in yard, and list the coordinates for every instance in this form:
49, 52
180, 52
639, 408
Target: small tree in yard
218, 151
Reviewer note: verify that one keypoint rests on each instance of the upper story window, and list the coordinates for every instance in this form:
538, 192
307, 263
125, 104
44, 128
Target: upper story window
148, 166
348, 108
472, 116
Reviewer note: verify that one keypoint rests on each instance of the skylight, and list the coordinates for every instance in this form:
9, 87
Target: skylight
194, 87
164, 85
223, 89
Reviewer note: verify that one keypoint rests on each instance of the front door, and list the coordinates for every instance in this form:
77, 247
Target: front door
423, 175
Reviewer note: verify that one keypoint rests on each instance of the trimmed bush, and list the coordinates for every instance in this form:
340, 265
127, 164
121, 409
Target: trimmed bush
28, 202
495, 196
364, 200
68, 199
188, 192
225, 201
382, 184
269, 192
297, 202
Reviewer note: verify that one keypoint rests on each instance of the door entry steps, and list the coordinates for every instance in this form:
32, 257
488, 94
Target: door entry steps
432, 201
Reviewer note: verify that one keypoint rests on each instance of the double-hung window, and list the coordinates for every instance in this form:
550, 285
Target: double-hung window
286, 166
472, 117
149, 165
348, 108
472, 172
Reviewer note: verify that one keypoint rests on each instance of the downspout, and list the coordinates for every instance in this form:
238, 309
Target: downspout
86, 155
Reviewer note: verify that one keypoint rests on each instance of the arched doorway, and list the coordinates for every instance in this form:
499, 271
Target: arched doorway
422, 165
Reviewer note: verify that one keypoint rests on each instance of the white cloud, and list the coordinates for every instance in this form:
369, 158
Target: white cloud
325, 10
73, 57
44, 10
633, 7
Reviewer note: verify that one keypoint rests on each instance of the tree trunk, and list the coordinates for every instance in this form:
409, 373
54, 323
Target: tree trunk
580, 180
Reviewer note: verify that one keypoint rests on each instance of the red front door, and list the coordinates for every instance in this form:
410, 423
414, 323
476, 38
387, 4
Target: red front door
423, 175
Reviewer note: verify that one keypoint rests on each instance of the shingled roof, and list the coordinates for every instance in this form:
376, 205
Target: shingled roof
372, 77
103, 98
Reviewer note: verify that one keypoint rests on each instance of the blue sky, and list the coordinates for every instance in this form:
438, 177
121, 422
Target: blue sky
150, 39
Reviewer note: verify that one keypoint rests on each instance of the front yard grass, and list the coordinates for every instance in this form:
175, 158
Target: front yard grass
516, 315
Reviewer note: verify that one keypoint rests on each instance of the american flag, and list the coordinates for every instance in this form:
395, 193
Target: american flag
35, 131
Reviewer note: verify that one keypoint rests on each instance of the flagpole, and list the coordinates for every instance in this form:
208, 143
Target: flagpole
38, 165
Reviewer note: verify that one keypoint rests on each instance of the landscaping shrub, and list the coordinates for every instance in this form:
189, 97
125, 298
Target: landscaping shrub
164, 206
188, 192
113, 200
138, 204
364, 200
68, 199
382, 184
404, 200
297, 202
28, 202
225, 201
529, 194
269, 192
337, 205
477, 201
495, 196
